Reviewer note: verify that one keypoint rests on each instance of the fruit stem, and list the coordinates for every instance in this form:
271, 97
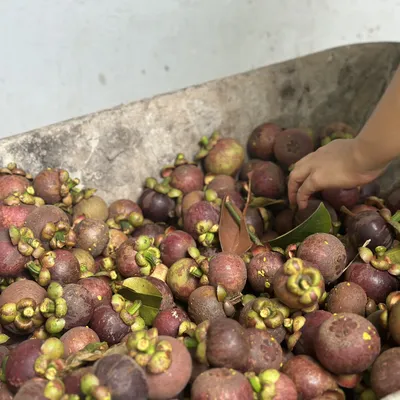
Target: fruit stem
236, 217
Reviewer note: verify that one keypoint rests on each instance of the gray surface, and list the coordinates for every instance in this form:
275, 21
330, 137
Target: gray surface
114, 150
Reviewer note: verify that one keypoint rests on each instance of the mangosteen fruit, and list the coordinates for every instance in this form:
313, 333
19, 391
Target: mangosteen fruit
187, 178
261, 141
175, 246
268, 181
77, 339
347, 297
338, 198
92, 235
93, 208
167, 322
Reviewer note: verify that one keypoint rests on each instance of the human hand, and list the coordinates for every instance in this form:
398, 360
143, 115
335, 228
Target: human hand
338, 164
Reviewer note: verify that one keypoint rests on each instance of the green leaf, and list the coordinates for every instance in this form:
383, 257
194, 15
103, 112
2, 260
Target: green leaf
141, 289
319, 222
394, 255
264, 202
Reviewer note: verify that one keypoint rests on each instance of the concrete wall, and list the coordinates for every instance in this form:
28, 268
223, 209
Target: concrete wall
65, 58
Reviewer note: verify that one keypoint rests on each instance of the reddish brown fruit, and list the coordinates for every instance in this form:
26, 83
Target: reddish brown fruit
283, 222
10, 184
310, 378
170, 383
94, 208
190, 199
247, 168
77, 338
291, 145
384, 374
157, 207
12, 262
92, 235
47, 185
347, 297
376, 284
261, 270
265, 351
306, 343
14, 215
222, 184
313, 204
167, 296
268, 181
174, 246
198, 212
221, 383
66, 268
261, 141
187, 178
347, 344
167, 322
341, 197
99, 289
326, 252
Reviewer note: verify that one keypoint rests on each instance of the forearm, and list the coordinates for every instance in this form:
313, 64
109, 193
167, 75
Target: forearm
378, 143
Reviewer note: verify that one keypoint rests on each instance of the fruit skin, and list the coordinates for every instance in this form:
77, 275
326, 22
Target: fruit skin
228, 270
384, 373
77, 338
47, 185
262, 269
221, 384
261, 141
326, 252
394, 323
5, 393
253, 218
377, 284
98, 288
341, 197
94, 208
12, 262
42, 215
10, 184
268, 181
72, 381
310, 378
291, 145
66, 268
284, 388
171, 382
249, 166
347, 297
150, 230
222, 184
200, 211
347, 344
108, 325
265, 352
174, 246
370, 225
92, 235
227, 344
156, 206
124, 378
187, 178
393, 200
14, 215
79, 305
19, 367
203, 305
167, 322
306, 343
181, 282
225, 158
32, 390
125, 259
283, 222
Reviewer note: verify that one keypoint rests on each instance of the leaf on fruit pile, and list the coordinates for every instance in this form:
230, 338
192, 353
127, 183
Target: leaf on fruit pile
91, 353
141, 289
264, 202
318, 222
233, 234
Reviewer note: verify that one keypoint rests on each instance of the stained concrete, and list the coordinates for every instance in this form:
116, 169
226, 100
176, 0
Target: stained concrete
114, 150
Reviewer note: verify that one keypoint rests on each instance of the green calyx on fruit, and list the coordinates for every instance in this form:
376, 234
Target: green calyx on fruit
149, 352
147, 256
49, 364
264, 384
195, 337
303, 281
39, 268
380, 260
206, 144
201, 269
26, 242
267, 313
128, 312
127, 223
28, 198
164, 187
59, 235
24, 315
90, 386
179, 160
207, 232
55, 389
54, 308
13, 169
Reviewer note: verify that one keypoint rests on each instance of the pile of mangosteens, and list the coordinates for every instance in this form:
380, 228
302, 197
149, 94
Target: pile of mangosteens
209, 286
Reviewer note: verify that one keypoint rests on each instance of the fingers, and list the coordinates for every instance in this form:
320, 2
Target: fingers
309, 186
299, 174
